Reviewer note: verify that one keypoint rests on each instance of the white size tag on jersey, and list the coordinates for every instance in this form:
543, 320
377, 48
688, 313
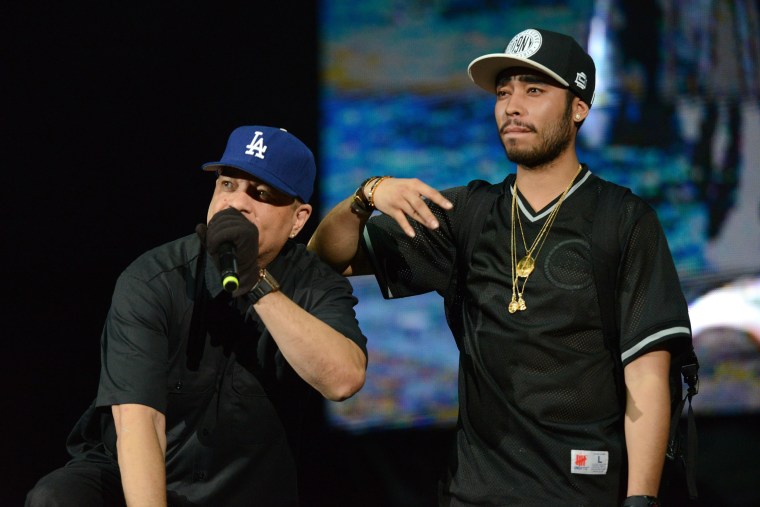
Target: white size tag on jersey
589, 462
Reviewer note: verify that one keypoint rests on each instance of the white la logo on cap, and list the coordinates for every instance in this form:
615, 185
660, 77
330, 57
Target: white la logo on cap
257, 146
580, 80
524, 44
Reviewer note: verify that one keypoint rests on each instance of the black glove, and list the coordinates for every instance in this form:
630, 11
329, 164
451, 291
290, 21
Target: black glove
641, 501
230, 226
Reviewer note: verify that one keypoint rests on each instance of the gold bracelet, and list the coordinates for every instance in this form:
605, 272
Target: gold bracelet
371, 194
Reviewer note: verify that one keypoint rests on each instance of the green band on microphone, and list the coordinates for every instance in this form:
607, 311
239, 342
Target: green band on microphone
230, 283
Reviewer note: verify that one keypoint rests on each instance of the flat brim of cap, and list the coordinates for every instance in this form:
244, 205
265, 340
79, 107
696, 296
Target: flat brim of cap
483, 70
264, 176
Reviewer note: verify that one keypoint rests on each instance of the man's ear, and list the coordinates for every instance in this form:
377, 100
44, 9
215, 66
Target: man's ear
301, 215
580, 110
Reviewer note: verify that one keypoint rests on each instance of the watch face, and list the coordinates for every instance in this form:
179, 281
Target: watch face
359, 207
264, 286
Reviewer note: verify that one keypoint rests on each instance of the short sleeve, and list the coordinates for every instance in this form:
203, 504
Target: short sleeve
134, 346
653, 309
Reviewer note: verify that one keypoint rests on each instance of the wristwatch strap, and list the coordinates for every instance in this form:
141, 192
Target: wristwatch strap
265, 284
360, 204
641, 501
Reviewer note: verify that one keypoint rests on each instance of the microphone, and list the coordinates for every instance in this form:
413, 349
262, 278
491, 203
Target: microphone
228, 266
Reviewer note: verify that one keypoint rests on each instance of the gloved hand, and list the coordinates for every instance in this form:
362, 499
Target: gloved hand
231, 226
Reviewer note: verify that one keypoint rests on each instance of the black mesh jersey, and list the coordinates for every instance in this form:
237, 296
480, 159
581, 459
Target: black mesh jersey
540, 422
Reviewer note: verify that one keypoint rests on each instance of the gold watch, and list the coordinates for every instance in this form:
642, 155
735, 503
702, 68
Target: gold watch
265, 284
360, 204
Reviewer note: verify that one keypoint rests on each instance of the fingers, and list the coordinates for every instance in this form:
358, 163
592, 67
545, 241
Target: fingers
404, 224
435, 196
409, 198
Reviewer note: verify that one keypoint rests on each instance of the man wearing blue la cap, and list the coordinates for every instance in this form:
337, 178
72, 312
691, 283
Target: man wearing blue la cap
555, 406
204, 391
247, 149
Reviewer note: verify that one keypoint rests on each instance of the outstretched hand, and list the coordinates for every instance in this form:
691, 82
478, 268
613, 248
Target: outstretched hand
404, 198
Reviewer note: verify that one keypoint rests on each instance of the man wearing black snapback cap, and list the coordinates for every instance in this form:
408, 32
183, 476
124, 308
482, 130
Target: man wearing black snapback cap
204, 392
546, 416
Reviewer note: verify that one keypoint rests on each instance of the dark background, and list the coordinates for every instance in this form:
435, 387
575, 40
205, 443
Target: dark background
109, 109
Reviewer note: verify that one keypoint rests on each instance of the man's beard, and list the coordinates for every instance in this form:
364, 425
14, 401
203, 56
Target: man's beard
552, 143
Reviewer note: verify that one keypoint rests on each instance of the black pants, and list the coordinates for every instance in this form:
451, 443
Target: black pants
79, 484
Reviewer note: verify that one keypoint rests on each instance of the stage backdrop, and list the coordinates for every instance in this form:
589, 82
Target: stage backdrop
676, 118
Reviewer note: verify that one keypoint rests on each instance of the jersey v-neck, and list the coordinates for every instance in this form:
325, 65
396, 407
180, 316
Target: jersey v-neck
527, 211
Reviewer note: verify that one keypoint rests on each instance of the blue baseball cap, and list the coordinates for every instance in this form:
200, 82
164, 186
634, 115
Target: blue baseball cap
272, 155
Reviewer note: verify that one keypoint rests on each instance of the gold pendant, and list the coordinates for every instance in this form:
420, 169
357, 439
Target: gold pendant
521, 304
525, 266
513, 305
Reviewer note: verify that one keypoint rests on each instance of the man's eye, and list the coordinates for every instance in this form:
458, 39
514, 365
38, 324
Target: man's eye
262, 194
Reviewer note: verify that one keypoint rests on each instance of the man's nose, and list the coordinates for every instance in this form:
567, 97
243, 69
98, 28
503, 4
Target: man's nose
514, 105
239, 199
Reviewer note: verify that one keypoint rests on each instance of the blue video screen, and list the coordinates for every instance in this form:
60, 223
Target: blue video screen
676, 118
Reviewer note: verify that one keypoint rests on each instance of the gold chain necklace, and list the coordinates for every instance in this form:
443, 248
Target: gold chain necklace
525, 266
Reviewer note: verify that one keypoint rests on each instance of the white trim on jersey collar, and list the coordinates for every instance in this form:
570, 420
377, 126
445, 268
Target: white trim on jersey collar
533, 218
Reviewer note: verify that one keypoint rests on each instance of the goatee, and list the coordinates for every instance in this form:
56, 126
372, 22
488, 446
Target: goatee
552, 142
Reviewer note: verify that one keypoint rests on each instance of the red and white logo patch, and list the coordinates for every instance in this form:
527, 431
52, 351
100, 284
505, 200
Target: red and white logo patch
589, 462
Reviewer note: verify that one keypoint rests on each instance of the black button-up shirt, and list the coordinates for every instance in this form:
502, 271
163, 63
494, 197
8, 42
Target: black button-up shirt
233, 420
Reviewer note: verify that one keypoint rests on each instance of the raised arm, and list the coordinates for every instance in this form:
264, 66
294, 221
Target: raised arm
336, 239
326, 359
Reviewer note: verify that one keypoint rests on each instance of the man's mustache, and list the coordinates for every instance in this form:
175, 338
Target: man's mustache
515, 123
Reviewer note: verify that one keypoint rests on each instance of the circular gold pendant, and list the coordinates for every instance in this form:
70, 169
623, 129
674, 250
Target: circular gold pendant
525, 266
513, 306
